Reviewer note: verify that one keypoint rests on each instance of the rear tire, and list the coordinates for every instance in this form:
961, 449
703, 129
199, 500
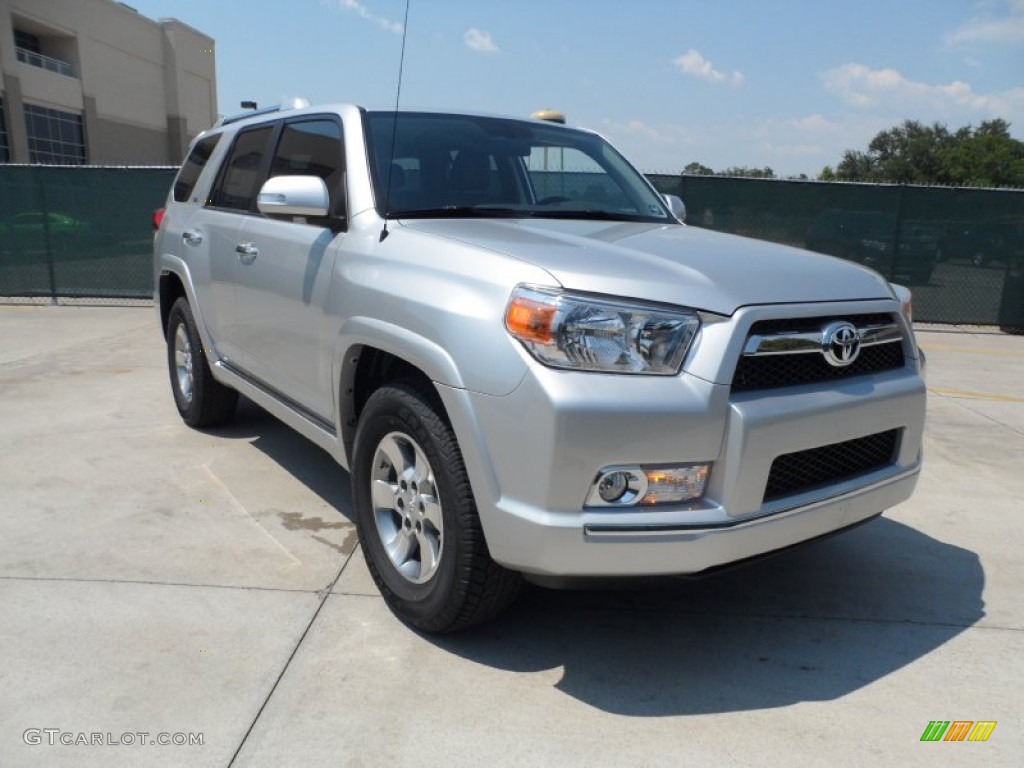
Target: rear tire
201, 400
417, 518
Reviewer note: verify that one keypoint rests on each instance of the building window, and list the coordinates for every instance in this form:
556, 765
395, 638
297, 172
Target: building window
27, 41
5, 152
54, 137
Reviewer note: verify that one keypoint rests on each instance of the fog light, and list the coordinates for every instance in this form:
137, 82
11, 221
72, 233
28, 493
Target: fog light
617, 487
650, 486
613, 486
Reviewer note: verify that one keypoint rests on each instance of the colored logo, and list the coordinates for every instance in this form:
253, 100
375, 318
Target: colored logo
958, 730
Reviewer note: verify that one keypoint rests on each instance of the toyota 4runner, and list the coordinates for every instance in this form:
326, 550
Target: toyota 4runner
526, 361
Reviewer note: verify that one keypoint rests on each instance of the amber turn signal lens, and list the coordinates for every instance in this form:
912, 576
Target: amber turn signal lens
530, 320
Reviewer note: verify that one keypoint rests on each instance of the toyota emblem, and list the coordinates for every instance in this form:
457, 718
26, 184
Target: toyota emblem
840, 343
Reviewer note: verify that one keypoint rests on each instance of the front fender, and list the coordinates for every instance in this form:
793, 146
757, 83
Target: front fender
419, 351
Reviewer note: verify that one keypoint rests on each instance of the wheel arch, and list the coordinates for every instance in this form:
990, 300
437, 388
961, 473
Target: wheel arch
169, 290
365, 369
370, 353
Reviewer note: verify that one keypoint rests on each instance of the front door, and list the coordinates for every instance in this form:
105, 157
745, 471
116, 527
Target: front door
283, 267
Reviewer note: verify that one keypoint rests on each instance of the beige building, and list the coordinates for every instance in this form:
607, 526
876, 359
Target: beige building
94, 82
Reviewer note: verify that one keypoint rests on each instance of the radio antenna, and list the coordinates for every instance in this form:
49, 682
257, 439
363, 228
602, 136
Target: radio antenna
394, 125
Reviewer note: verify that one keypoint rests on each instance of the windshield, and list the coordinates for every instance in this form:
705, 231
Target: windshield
444, 165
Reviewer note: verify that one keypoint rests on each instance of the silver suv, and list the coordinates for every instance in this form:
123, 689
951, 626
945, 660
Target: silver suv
527, 363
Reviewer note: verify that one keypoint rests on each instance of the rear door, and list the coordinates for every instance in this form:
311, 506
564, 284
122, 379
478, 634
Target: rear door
189, 232
211, 229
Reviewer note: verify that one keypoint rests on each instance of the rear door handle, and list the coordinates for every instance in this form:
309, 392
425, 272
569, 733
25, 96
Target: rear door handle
192, 236
247, 252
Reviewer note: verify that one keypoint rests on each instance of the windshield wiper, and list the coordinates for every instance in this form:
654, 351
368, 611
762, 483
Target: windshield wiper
589, 214
461, 211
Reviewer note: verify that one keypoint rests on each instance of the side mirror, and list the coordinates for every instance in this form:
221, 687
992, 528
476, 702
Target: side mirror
675, 204
294, 196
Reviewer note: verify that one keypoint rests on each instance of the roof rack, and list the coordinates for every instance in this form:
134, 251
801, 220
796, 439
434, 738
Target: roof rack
293, 104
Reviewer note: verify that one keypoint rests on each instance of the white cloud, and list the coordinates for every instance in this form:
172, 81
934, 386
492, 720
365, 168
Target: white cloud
479, 41
813, 124
653, 148
1008, 27
806, 144
694, 64
363, 12
643, 130
866, 88
1009, 30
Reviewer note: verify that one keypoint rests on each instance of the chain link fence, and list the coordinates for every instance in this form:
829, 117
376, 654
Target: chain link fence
83, 234
78, 234
960, 250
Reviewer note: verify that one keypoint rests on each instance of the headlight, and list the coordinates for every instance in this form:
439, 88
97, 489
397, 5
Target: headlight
617, 336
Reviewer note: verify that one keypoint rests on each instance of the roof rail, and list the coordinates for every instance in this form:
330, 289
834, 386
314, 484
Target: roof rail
293, 104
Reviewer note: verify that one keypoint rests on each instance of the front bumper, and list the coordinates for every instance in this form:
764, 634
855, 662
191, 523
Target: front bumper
595, 551
532, 456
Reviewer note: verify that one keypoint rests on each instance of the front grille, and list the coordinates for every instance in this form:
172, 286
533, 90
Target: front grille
816, 467
774, 371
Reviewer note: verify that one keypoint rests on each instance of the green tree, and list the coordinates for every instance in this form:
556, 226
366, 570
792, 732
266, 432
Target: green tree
696, 169
750, 173
986, 157
857, 166
914, 153
909, 153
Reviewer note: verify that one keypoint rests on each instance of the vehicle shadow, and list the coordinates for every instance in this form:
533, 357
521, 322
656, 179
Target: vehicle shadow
812, 624
299, 457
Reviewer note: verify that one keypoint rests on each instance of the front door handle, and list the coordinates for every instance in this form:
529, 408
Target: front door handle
247, 252
192, 236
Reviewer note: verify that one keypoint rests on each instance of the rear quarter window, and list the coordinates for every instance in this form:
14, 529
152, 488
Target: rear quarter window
193, 167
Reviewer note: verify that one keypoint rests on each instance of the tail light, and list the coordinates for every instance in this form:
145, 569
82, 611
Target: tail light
158, 216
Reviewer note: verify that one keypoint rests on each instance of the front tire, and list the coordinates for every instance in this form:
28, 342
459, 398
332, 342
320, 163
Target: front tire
201, 400
417, 518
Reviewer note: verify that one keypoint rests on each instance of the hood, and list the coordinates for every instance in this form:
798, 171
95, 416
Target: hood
673, 264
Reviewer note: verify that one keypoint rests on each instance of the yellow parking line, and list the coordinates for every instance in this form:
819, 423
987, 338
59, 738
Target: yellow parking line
975, 395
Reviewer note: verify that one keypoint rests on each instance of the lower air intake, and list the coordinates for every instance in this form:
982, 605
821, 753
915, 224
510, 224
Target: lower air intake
817, 467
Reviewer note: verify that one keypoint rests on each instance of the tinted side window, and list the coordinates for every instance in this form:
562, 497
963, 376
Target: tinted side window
314, 148
240, 177
189, 173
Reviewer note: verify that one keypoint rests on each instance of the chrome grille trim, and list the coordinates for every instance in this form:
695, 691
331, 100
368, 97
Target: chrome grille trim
798, 343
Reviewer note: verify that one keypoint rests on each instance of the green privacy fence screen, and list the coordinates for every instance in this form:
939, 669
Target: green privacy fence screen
961, 251
78, 232
85, 233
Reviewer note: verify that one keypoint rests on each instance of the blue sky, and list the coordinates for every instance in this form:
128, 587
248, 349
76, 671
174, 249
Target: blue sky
784, 83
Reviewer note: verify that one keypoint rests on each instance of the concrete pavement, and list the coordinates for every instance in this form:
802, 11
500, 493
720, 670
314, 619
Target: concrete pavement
159, 580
